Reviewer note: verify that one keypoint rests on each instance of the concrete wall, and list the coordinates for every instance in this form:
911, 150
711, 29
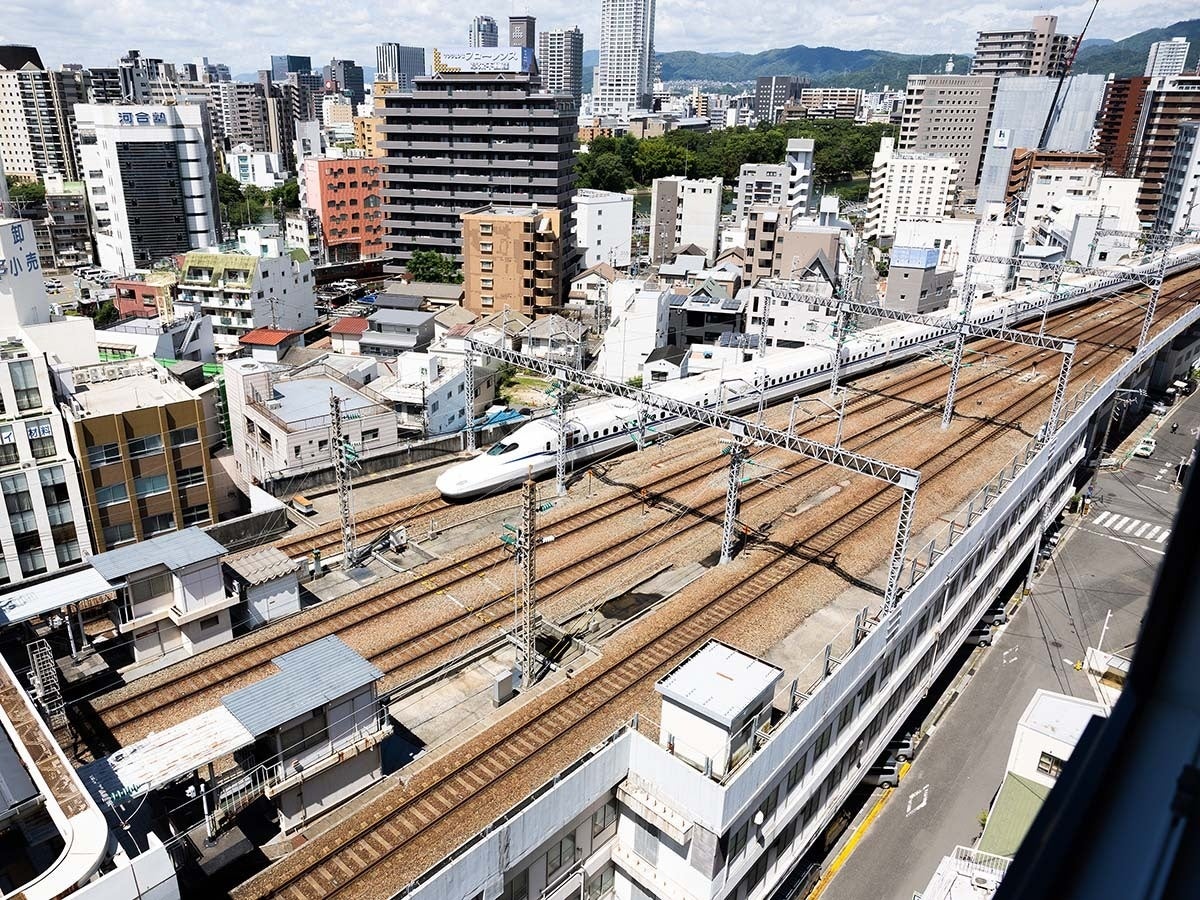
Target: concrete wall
316, 796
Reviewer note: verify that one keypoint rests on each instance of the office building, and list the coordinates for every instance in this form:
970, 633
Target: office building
250, 166
1019, 116
1117, 124
260, 285
624, 76
345, 194
1036, 51
604, 227
1026, 163
483, 32
905, 183
773, 92
432, 175
342, 76
522, 32
145, 436
1168, 104
949, 114
399, 64
151, 181
281, 66
560, 61
1179, 209
1167, 58
238, 113
831, 103
684, 212
512, 259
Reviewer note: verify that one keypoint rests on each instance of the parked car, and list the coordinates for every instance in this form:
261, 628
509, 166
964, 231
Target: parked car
901, 748
997, 614
884, 775
1146, 448
981, 636
1159, 409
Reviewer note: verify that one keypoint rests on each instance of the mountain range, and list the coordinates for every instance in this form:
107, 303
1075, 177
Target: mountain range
872, 69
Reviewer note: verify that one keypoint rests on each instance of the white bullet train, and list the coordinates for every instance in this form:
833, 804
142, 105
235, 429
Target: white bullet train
604, 428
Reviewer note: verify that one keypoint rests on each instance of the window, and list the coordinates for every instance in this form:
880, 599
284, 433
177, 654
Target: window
145, 446
189, 477
485, 265
118, 534
485, 227
148, 485
370, 434
9, 454
737, 840
796, 773
600, 885
24, 381
208, 623
159, 585
104, 454
485, 247
561, 854
304, 736
41, 438
158, 524
604, 817
1051, 765
113, 493
518, 888
181, 436
196, 515
822, 743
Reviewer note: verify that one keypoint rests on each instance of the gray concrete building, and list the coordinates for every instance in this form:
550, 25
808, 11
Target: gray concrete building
772, 92
462, 140
915, 281
1038, 50
949, 114
560, 61
398, 63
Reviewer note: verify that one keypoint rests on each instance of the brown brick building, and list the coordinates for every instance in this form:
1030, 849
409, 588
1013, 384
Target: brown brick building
1117, 123
513, 259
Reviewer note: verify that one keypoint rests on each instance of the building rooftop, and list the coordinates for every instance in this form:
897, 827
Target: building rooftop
1059, 716
410, 317
308, 398
349, 325
104, 389
308, 677
427, 289
604, 270
719, 682
175, 550
262, 564
455, 315
1012, 812
267, 337
27, 601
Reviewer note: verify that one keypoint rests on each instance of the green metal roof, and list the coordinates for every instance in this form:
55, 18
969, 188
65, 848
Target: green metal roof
219, 263
1013, 811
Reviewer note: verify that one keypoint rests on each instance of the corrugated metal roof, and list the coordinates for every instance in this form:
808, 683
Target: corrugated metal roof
175, 551
27, 601
308, 677
262, 564
1012, 812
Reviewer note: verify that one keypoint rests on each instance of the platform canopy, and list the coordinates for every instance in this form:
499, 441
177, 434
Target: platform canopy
30, 601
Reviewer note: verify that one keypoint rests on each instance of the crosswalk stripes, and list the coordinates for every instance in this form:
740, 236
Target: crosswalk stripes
1131, 527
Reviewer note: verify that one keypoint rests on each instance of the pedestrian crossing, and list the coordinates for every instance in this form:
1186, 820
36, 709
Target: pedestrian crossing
1133, 528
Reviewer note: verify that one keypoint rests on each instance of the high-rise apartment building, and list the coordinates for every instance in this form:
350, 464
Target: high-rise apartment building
521, 151
560, 61
904, 183
1117, 124
399, 64
1168, 104
1038, 50
281, 66
773, 92
345, 194
624, 76
36, 116
482, 32
832, 103
151, 181
1179, 210
238, 114
344, 77
949, 114
522, 32
141, 74
512, 259
1167, 58
684, 212
777, 185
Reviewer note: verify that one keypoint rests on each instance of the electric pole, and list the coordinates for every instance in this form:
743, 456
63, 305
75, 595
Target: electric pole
342, 455
526, 541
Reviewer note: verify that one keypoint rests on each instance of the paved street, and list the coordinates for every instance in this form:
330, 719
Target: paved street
1107, 561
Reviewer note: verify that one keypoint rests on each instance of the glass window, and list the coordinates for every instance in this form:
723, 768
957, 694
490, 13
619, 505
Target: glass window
145, 446
158, 524
113, 493
104, 454
1051, 765
518, 888
189, 477
308, 734
118, 534
148, 485
561, 854
737, 840
605, 816
600, 885
796, 772
41, 438
24, 381
181, 436
195, 515
9, 454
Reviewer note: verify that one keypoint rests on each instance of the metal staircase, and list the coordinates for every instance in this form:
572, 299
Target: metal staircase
43, 676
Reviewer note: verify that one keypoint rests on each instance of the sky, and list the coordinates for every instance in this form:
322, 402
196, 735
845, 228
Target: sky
244, 33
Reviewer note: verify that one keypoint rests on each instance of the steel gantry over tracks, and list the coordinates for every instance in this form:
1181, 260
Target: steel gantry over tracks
948, 324
748, 432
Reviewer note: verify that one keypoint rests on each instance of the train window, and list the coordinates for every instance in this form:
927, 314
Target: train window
504, 448
547, 445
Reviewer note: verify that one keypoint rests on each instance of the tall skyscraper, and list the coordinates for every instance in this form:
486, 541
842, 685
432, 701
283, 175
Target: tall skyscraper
483, 32
282, 65
37, 117
395, 62
344, 77
624, 77
1167, 58
772, 93
560, 61
522, 31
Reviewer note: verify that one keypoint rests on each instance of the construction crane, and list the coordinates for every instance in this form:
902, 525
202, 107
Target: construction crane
1051, 113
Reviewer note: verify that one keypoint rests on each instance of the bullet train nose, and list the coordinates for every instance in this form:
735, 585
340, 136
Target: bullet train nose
453, 484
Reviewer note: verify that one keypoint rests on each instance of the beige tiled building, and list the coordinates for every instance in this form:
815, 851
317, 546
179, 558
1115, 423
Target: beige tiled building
513, 259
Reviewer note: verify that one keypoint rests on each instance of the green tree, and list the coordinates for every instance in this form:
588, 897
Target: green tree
605, 172
106, 314
254, 194
287, 194
229, 189
25, 191
429, 265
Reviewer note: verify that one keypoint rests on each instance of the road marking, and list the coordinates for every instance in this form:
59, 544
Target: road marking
1162, 537
1132, 525
1008, 656
1146, 487
923, 793
1102, 518
1120, 523
1152, 532
1138, 533
1135, 544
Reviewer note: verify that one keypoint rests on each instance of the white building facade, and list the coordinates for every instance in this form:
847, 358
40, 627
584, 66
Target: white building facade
604, 227
624, 76
150, 181
907, 184
1167, 58
1180, 208
256, 167
684, 211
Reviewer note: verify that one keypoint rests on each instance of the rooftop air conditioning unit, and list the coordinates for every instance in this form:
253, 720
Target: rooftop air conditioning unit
984, 883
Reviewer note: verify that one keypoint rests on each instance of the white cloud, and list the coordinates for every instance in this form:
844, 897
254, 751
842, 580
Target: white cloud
245, 33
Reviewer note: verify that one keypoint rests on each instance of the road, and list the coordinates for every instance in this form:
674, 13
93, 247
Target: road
1106, 561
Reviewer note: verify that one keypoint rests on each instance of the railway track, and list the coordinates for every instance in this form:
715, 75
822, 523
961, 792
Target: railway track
388, 830
412, 650
416, 511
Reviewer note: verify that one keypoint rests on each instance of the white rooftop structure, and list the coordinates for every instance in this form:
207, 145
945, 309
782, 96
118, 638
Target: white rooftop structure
1059, 716
29, 601
720, 682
